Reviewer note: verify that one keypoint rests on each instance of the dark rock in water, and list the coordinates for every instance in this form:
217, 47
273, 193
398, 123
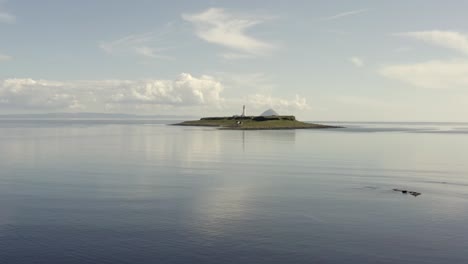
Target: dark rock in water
415, 194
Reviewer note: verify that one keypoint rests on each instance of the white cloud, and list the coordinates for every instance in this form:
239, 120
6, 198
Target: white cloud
356, 61
435, 74
146, 45
217, 26
185, 90
184, 94
447, 39
345, 14
4, 57
29, 93
431, 74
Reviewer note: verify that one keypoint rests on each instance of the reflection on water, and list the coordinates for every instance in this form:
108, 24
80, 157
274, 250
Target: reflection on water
144, 192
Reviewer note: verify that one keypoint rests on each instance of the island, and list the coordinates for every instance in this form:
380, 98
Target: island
268, 120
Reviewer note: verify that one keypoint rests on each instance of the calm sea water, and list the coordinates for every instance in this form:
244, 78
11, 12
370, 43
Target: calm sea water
143, 192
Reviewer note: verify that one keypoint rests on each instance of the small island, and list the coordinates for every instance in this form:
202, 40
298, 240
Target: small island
268, 120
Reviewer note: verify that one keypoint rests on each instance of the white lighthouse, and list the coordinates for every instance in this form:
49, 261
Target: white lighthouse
243, 111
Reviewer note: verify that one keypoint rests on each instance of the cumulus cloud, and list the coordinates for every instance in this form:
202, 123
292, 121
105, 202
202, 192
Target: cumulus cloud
185, 90
431, 74
356, 61
182, 94
29, 93
447, 39
217, 26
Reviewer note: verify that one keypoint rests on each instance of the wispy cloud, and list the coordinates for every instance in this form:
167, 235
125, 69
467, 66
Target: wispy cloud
217, 26
149, 45
447, 39
436, 74
431, 74
4, 57
346, 14
357, 61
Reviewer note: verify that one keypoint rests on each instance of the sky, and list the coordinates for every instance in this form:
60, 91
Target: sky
319, 60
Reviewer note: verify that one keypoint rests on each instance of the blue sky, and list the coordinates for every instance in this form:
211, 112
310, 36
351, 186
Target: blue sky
319, 60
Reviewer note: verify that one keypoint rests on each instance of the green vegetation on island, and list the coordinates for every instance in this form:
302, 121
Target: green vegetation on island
253, 122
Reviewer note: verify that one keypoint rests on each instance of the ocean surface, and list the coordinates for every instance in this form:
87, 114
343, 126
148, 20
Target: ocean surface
140, 191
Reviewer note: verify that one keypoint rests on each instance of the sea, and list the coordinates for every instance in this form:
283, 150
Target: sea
143, 191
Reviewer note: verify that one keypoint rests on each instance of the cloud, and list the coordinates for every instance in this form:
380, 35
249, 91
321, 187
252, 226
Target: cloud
345, 14
447, 39
184, 94
431, 74
358, 62
217, 26
147, 45
4, 57
434, 74
185, 90
29, 93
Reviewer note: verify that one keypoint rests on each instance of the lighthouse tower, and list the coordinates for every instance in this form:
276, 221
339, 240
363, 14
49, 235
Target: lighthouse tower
243, 111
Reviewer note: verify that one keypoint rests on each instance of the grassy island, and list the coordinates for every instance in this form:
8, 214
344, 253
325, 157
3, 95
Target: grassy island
253, 123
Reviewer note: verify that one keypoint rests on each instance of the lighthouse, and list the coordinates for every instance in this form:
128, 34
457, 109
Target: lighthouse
243, 111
